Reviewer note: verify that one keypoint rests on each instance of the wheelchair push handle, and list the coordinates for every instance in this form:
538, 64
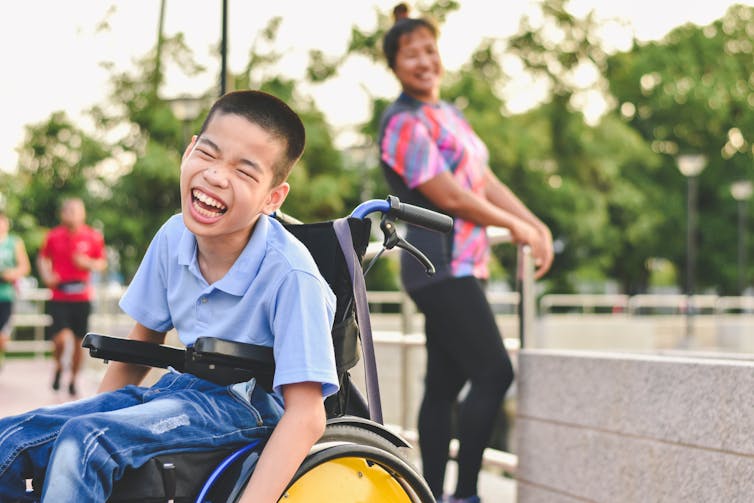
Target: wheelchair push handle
414, 215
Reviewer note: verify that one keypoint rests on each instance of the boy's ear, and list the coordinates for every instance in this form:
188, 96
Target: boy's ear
276, 197
189, 147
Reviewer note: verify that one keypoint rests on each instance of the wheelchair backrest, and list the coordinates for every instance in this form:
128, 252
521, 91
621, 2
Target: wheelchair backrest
322, 243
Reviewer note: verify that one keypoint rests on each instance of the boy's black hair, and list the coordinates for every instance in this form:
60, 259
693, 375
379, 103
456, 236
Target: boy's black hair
403, 25
271, 114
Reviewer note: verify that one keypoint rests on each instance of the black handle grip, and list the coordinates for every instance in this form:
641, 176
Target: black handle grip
416, 215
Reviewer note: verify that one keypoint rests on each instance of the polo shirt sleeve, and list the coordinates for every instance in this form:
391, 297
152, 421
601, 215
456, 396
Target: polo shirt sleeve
409, 149
146, 299
303, 314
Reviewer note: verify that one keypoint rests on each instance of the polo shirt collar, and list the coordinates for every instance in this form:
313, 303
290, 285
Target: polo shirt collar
238, 279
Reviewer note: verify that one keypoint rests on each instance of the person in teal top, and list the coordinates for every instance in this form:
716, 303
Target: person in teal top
14, 264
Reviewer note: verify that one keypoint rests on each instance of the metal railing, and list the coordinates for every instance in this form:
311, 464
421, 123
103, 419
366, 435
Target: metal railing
643, 304
28, 313
29, 320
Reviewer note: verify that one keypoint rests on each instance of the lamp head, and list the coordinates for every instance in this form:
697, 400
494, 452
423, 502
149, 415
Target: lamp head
691, 164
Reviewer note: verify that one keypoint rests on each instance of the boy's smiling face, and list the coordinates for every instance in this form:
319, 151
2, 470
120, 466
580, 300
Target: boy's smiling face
226, 178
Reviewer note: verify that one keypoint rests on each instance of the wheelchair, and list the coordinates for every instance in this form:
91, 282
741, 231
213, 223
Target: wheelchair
357, 459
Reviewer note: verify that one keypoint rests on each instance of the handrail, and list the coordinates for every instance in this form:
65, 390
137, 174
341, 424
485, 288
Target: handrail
586, 302
674, 301
743, 304
637, 305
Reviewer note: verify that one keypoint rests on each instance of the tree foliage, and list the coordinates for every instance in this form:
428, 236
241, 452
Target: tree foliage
57, 160
692, 93
609, 189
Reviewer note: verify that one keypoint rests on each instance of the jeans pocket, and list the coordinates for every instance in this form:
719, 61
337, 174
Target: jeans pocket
243, 392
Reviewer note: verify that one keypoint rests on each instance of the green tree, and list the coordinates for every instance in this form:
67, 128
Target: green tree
57, 160
146, 194
691, 93
566, 171
143, 193
130, 181
600, 208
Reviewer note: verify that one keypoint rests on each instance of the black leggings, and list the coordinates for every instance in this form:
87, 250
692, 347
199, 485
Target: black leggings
463, 344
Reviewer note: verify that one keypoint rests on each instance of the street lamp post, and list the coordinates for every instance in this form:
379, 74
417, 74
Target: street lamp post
741, 191
690, 166
224, 49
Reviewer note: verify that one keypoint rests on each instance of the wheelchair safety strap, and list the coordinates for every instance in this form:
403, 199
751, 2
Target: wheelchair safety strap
343, 232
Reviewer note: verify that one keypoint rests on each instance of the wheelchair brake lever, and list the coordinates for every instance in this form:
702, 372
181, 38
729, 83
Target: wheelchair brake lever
392, 239
429, 267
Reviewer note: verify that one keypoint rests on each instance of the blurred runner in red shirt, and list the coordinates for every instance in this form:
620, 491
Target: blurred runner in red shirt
68, 255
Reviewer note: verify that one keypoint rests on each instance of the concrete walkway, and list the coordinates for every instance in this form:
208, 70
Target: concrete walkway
25, 385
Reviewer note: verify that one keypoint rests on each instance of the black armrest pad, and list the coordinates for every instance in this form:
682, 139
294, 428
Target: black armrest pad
130, 351
234, 354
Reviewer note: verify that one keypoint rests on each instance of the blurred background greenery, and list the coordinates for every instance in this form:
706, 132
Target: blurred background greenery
610, 190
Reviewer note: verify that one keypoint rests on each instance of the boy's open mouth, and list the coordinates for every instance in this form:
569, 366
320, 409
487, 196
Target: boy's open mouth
206, 205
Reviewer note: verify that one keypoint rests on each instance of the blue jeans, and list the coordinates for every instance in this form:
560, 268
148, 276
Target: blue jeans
81, 448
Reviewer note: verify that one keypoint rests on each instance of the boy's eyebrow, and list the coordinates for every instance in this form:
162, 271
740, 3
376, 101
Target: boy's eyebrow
209, 142
252, 164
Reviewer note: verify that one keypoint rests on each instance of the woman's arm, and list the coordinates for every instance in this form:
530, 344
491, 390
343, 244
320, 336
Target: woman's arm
120, 374
443, 191
302, 424
503, 197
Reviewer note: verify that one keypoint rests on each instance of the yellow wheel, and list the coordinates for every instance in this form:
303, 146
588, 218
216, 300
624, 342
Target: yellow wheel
355, 465
350, 479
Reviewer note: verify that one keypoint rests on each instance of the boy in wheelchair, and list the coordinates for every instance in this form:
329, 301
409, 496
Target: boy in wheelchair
222, 268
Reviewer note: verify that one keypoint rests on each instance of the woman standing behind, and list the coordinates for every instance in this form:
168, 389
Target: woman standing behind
14, 264
431, 157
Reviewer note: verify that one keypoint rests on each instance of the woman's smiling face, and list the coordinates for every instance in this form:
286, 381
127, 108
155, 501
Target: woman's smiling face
418, 66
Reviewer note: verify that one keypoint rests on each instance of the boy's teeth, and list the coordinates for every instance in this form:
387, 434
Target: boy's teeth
208, 200
206, 212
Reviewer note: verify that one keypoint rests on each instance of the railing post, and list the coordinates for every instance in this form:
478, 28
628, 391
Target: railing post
526, 305
408, 310
407, 327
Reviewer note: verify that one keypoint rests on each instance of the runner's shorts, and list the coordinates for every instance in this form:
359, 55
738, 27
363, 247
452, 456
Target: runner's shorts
73, 315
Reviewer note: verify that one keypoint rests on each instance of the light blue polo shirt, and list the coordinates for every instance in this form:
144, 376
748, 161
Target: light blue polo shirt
273, 295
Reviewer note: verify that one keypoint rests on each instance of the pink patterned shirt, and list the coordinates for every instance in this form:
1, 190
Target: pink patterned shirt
420, 141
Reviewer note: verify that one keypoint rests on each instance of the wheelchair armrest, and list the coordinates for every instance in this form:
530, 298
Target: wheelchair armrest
259, 359
131, 351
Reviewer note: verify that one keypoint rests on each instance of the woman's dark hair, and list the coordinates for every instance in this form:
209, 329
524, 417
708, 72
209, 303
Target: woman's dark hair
271, 114
403, 25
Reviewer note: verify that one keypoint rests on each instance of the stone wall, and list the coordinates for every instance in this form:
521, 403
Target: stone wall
611, 427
